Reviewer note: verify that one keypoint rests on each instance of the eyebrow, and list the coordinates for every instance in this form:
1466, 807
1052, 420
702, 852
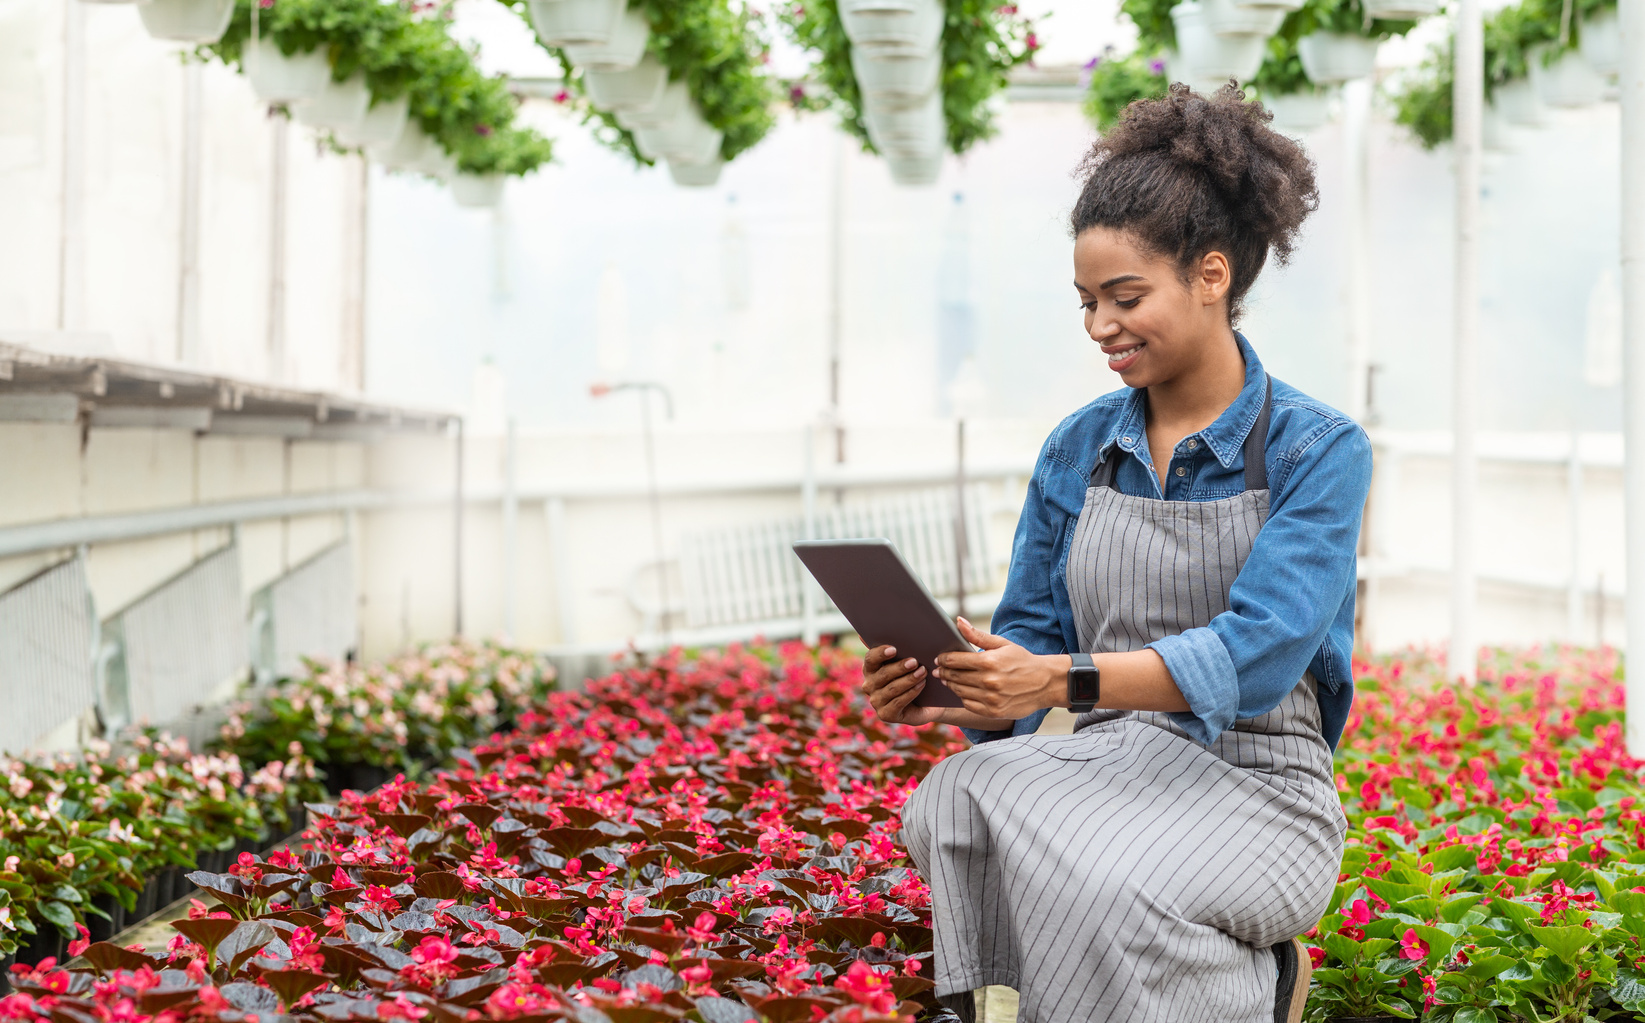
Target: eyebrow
1121, 279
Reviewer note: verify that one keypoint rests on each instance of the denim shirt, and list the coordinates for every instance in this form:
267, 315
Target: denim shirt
1291, 607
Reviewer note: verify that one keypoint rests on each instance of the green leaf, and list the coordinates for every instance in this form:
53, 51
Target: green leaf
60, 916
1566, 942
1472, 1014
1451, 857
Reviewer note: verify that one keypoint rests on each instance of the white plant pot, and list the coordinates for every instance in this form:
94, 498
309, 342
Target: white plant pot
1519, 103
406, 152
383, 124
687, 138
914, 24
186, 21
277, 78
915, 170
1570, 81
1332, 57
670, 105
1494, 132
1284, 6
1402, 10
477, 191
695, 175
1203, 55
1299, 111
1227, 18
623, 51
895, 74
1602, 43
340, 106
437, 164
638, 88
917, 130
576, 22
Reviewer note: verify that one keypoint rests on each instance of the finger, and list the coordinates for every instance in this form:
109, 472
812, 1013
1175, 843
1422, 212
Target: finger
878, 656
977, 637
899, 685
900, 704
962, 661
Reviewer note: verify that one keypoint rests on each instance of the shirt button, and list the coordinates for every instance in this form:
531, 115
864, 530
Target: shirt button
1126, 440
1192, 444
1182, 470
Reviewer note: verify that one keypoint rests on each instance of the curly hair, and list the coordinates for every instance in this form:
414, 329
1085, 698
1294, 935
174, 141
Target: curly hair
1188, 174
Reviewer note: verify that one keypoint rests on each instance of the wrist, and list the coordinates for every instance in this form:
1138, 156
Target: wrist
1055, 691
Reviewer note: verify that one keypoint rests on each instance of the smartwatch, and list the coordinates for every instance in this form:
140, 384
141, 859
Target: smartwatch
1084, 684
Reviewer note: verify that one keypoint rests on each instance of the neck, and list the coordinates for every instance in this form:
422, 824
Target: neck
1193, 399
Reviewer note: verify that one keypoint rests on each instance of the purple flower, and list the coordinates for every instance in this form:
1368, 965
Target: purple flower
1157, 66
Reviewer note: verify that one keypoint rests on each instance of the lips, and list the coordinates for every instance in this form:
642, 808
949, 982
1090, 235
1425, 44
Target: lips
1121, 359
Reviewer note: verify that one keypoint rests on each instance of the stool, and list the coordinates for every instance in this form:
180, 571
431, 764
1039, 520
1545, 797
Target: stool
1296, 970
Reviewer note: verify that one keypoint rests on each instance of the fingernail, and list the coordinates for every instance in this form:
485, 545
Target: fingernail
890, 651
920, 673
966, 620
910, 663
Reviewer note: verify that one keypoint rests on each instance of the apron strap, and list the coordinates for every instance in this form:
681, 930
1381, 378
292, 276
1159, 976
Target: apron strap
1256, 449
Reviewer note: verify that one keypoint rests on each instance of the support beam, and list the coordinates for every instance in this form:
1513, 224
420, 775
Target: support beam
351, 363
279, 134
1632, 88
188, 243
1468, 106
1356, 132
71, 252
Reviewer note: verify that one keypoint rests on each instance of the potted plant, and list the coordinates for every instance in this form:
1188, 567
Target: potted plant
1600, 40
188, 21
639, 88
1117, 82
577, 22
621, 51
383, 124
695, 175
338, 106
1202, 53
1564, 78
1338, 39
1286, 90
909, 24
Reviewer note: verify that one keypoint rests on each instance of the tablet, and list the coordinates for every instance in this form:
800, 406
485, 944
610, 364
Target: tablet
884, 601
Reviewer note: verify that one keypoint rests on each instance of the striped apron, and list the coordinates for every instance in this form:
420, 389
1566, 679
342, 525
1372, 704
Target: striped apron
1126, 872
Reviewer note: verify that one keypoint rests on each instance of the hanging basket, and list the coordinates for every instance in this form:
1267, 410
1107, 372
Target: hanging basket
695, 175
1332, 57
340, 106
687, 137
915, 171
895, 74
477, 191
1203, 55
1226, 18
406, 152
1401, 10
1570, 81
277, 78
917, 130
1601, 43
622, 52
383, 124
576, 22
638, 88
1493, 130
1299, 111
1283, 6
914, 24
186, 21
1519, 103
670, 105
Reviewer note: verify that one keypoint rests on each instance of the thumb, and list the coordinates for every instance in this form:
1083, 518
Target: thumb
975, 635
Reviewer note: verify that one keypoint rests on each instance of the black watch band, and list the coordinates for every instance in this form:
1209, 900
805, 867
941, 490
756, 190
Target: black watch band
1084, 684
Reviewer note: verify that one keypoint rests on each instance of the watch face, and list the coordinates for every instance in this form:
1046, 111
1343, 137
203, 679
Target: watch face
1082, 685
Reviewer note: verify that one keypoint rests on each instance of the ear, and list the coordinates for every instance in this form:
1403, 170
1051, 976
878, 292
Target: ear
1216, 276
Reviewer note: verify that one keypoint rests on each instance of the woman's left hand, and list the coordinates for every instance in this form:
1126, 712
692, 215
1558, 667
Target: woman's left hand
1004, 680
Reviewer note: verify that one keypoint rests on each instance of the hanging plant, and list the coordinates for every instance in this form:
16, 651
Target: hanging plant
1422, 101
981, 43
1346, 17
1117, 82
1281, 73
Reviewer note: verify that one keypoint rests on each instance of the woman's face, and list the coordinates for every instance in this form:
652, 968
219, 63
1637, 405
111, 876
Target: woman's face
1151, 325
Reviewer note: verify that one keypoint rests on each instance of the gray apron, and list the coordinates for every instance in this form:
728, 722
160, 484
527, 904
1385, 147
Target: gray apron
1126, 872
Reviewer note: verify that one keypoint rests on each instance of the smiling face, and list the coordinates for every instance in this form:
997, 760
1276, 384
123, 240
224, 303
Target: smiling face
1152, 326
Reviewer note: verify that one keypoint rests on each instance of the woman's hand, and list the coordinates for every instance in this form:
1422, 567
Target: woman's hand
891, 686
1004, 680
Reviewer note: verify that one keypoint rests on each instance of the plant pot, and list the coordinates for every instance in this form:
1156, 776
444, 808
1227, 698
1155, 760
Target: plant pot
638, 88
1332, 57
576, 22
1402, 10
1569, 81
1299, 111
102, 928
405, 152
895, 73
917, 130
1601, 43
915, 171
670, 105
688, 138
383, 124
5, 973
1202, 54
1278, 5
1519, 103
339, 106
186, 21
621, 52
148, 900
1227, 18
477, 191
695, 175
46, 944
914, 24
277, 78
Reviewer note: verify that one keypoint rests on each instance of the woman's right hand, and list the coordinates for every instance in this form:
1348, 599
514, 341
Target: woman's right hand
891, 686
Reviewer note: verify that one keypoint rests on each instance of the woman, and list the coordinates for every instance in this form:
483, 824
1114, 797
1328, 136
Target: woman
1193, 533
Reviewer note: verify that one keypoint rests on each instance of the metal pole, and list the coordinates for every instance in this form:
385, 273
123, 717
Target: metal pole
279, 134
351, 368
836, 298
1468, 105
959, 517
560, 551
188, 244
1632, 88
71, 253
457, 538
656, 513
511, 530
808, 500
1573, 511
1356, 102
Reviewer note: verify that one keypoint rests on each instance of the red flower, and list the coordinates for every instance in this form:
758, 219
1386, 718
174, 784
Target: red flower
867, 987
1411, 946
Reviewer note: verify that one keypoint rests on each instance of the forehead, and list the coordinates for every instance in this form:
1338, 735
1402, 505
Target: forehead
1101, 253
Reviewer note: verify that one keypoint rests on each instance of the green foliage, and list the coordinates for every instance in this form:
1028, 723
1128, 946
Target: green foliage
1156, 32
1344, 16
1422, 103
1281, 73
1116, 83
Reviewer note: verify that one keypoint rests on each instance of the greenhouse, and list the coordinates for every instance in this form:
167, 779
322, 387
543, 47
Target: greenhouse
611, 511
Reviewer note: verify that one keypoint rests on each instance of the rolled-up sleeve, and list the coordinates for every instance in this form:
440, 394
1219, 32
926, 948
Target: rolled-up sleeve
1301, 569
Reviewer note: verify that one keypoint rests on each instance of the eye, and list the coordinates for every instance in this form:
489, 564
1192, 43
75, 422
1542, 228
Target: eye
1127, 303
1088, 306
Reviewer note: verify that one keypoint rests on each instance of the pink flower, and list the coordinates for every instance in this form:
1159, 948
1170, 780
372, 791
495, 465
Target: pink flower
867, 987
79, 945
1411, 946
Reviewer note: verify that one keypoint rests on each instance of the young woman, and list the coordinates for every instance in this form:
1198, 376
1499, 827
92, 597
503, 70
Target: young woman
1183, 577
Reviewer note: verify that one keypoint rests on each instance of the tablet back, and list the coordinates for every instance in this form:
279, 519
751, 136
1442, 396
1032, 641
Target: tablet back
884, 601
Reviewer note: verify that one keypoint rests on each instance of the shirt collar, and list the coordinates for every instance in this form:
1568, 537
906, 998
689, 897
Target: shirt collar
1225, 437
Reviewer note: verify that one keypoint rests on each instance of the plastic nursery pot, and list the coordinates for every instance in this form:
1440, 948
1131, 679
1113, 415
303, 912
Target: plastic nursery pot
895, 73
47, 943
688, 138
670, 104
576, 22
186, 21
695, 175
1401, 10
638, 88
1332, 57
915, 24
477, 191
918, 129
1519, 103
624, 49
148, 900
915, 171
277, 78
405, 152
5, 973
383, 124
102, 928
1601, 43
339, 106
1277, 5
1204, 55
1226, 18
1299, 111
1569, 81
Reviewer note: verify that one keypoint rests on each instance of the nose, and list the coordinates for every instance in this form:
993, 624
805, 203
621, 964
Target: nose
1103, 327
